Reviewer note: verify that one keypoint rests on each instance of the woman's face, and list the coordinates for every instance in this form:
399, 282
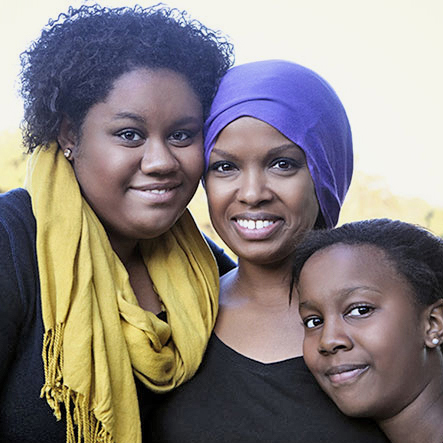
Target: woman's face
364, 335
139, 157
260, 192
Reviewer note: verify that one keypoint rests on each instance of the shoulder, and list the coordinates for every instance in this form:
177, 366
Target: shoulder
18, 262
17, 221
15, 206
226, 285
18, 271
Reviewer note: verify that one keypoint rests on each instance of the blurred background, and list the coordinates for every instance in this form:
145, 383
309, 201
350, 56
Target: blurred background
383, 58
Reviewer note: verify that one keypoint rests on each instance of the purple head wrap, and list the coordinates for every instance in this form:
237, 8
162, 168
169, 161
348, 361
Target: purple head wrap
304, 108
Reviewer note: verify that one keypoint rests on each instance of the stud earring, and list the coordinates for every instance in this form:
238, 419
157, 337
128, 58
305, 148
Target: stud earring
67, 153
435, 341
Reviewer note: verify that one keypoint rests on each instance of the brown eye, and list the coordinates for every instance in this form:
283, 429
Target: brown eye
179, 136
130, 135
222, 166
282, 164
312, 322
360, 311
286, 164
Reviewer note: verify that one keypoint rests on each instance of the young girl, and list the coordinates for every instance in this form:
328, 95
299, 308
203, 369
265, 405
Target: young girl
371, 301
101, 242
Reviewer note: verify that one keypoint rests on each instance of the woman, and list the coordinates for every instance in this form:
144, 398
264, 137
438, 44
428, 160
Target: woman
371, 300
101, 242
279, 162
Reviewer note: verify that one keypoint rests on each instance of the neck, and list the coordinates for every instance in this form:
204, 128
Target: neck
255, 317
124, 248
421, 420
265, 284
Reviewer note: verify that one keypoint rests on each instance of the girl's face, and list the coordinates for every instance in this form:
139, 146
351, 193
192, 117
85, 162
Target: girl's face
364, 335
260, 192
139, 157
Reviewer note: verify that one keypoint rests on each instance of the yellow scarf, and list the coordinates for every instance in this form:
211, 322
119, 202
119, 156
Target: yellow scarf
96, 335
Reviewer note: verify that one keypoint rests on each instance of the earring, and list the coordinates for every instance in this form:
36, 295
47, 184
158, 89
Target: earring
435, 341
67, 153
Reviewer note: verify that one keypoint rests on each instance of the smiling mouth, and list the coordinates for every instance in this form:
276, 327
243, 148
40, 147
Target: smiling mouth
254, 224
345, 373
159, 191
157, 194
157, 188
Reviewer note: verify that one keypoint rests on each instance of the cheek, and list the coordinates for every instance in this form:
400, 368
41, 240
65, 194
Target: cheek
310, 201
192, 164
310, 353
219, 200
217, 194
93, 171
216, 211
309, 211
388, 333
395, 346
302, 199
95, 153
304, 212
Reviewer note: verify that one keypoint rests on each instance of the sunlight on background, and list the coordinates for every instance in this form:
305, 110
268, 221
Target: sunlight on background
384, 59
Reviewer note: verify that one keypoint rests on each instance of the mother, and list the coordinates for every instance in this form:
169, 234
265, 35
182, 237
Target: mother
101, 242
279, 162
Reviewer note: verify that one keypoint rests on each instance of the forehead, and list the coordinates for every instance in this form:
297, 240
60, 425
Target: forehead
154, 97
249, 133
342, 266
161, 85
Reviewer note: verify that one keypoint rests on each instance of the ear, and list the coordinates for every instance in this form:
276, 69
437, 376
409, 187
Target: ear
434, 324
67, 138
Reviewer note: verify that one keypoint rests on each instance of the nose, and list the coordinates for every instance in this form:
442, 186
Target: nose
254, 188
158, 158
334, 338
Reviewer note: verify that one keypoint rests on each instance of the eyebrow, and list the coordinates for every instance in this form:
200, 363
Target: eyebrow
270, 153
130, 116
343, 294
181, 121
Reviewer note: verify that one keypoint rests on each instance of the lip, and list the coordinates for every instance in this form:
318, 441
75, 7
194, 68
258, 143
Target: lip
256, 226
345, 374
156, 192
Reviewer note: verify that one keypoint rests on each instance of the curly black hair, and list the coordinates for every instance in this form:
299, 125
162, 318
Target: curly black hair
415, 253
78, 57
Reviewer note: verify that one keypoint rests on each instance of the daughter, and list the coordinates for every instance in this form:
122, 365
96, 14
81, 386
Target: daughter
371, 301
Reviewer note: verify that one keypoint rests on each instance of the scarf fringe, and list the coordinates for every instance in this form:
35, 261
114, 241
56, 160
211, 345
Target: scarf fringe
81, 424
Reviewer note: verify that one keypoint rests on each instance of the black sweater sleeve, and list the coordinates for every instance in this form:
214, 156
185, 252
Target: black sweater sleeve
17, 270
11, 307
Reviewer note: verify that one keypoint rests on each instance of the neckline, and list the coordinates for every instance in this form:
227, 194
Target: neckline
225, 352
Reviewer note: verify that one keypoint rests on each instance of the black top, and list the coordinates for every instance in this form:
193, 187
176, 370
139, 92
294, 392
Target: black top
24, 416
233, 398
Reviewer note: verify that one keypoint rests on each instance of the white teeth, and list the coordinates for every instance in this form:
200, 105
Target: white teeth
158, 191
254, 224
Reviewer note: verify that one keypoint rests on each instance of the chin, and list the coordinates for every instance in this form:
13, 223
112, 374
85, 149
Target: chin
356, 410
262, 259
262, 256
158, 226
149, 233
